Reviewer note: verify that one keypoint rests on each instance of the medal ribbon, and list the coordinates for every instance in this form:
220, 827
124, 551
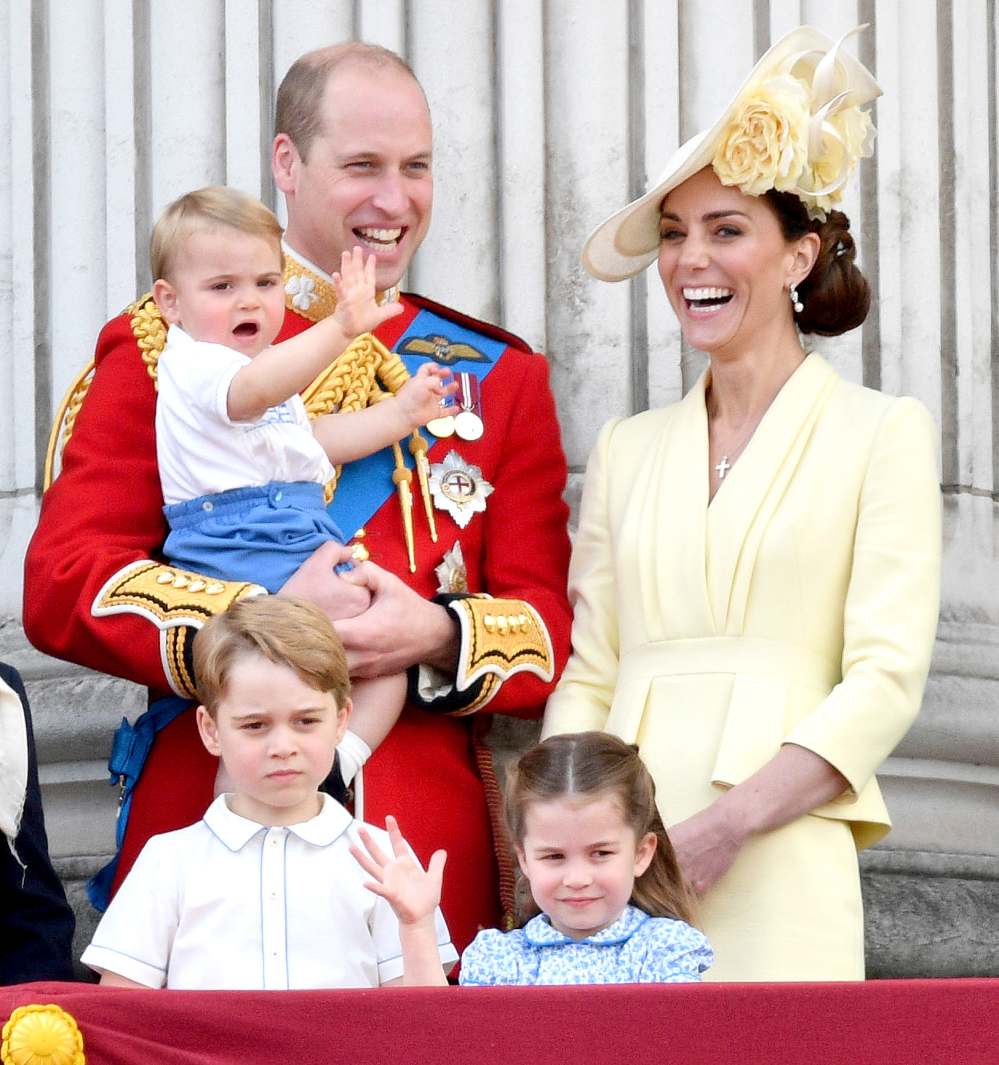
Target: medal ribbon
366, 484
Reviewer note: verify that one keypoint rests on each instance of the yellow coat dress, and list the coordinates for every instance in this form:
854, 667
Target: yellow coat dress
799, 607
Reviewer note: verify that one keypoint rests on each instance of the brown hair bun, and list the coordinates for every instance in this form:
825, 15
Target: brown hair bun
836, 295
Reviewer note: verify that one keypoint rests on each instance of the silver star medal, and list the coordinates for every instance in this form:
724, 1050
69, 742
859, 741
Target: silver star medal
452, 576
459, 488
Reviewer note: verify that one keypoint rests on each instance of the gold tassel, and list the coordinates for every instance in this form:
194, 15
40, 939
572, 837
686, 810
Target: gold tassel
401, 477
418, 449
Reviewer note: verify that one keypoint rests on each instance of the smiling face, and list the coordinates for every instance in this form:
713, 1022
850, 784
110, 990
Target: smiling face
581, 859
225, 287
276, 736
367, 177
726, 267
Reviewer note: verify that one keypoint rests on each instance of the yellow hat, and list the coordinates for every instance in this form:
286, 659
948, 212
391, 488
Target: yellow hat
795, 125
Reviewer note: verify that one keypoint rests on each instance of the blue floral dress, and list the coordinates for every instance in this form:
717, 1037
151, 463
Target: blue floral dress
635, 949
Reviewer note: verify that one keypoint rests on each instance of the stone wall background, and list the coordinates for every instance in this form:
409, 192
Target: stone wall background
548, 115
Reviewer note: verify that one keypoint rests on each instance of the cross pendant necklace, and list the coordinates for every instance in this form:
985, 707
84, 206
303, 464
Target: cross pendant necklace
723, 467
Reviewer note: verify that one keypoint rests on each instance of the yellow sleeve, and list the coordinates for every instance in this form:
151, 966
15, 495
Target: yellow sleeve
583, 697
892, 602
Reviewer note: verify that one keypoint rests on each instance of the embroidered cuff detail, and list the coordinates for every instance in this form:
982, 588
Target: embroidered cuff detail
167, 596
499, 638
177, 602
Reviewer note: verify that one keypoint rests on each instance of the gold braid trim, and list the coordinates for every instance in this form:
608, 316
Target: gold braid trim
149, 331
177, 647
365, 373
65, 420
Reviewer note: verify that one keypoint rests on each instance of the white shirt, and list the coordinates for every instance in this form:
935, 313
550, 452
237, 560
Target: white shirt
13, 763
201, 450
227, 903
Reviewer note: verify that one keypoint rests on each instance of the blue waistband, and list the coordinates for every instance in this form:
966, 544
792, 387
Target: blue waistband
300, 495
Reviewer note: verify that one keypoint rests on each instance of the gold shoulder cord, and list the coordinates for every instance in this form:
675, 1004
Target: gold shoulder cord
176, 602
150, 335
366, 373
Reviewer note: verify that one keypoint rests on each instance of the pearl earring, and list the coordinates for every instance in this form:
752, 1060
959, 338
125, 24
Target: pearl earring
795, 299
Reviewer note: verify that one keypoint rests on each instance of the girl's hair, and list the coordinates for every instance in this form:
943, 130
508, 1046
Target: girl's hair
589, 766
836, 295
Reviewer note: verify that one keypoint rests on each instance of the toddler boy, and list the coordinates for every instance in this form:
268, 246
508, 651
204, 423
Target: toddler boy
242, 468
264, 891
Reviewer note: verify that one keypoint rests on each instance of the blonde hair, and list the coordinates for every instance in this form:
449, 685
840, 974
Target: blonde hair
207, 209
589, 766
299, 109
286, 631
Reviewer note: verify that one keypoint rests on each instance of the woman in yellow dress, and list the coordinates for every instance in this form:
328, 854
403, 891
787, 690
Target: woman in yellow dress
756, 574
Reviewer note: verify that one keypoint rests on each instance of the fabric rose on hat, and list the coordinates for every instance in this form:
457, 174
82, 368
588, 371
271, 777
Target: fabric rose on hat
765, 144
845, 138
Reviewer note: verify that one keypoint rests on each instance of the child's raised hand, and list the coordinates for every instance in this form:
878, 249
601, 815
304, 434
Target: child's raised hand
422, 396
356, 310
412, 891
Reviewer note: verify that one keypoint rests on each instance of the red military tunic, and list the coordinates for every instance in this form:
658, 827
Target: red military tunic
97, 593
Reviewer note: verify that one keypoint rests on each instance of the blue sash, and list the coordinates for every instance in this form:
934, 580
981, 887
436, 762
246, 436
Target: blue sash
366, 484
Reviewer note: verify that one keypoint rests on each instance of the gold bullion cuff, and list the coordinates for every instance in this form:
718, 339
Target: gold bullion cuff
499, 638
177, 602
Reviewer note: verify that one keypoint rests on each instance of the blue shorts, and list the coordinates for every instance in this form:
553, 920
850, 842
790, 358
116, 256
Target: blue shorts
261, 534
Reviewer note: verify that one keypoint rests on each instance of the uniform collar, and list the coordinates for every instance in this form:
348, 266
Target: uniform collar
308, 289
539, 931
235, 831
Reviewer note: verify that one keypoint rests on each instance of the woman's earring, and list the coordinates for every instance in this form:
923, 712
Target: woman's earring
795, 299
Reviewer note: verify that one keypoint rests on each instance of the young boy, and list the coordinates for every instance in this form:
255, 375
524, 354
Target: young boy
242, 468
264, 891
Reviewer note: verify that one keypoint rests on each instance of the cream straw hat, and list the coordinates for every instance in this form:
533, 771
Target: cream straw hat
795, 125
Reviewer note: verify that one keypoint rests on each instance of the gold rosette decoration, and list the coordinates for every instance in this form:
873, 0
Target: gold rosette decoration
41, 1035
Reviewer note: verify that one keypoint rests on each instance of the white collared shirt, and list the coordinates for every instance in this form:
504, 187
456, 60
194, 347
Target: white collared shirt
228, 903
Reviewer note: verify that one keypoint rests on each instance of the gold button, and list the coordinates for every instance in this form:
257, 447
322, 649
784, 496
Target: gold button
181, 581
359, 553
196, 585
165, 578
214, 588
504, 623
490, 622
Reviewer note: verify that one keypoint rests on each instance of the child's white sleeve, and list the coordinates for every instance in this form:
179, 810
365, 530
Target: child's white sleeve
198, 376
385, 932
135, 936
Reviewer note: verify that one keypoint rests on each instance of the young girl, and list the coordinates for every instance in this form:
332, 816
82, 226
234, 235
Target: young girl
608, 902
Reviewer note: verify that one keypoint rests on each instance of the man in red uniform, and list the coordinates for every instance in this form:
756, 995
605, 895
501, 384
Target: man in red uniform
475, 516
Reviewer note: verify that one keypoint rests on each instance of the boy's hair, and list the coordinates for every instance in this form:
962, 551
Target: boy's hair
206, 209
286, 631
299, 109
595, 765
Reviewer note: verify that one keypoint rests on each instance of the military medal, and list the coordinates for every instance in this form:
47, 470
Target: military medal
462, 413
444, 425
458, 488
452, 576
468, 420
